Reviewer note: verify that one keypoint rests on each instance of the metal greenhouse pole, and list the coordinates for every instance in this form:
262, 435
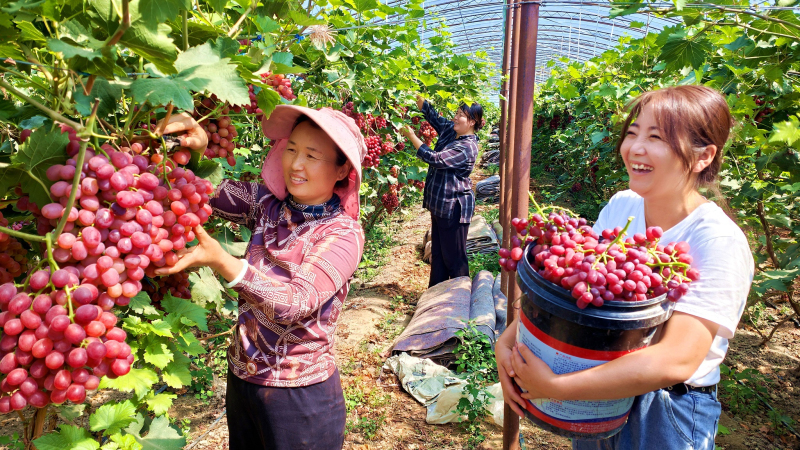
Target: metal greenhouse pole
518, 158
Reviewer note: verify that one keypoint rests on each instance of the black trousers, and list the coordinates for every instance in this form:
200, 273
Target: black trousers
448, 247
304, 418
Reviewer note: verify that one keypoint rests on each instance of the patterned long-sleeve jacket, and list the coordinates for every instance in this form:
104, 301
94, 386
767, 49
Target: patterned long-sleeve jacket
299, 263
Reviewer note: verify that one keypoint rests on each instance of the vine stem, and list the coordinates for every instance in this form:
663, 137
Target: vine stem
185, 30
164, 122
123, 27
76, 180
53, 115
21, 235
614, 242
235, 30
49, 242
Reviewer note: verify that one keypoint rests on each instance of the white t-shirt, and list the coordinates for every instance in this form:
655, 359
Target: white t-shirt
719, 251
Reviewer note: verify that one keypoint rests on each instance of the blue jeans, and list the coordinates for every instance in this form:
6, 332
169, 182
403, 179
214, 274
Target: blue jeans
665, 421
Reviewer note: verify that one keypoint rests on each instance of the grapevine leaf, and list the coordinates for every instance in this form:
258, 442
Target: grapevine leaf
202, 68
32, 123
681, 51
160, 403
284, 63
71, 51
225, 47
158, 11
43, 149
10, 176
161, 91
177, 374
787, 131
121, 442
186, 311
227, 239
7, 109
68, 436
70, 412
161, 328
108, 93
158, 354
159, 434
267, 100
189, 344
140, 381
205, 287
113, 417
79, 34
30, 32
11, 51
210, 170
266, 24
140, 304
218, 5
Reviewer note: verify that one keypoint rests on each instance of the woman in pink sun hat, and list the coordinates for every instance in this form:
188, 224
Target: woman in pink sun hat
284, 390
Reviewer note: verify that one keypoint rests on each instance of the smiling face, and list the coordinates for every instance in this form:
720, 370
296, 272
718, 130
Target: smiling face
462, 124
309, 165
654, 168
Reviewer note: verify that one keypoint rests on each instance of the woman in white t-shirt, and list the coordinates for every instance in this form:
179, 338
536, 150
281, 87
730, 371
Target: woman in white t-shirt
672, 144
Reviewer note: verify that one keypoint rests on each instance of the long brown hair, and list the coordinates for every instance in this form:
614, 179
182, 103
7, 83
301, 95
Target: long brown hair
690, 118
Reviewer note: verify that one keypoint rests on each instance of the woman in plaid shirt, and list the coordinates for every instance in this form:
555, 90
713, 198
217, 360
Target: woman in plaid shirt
448, 190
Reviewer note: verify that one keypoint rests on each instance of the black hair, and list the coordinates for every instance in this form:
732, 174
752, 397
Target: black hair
341, 159
474, 112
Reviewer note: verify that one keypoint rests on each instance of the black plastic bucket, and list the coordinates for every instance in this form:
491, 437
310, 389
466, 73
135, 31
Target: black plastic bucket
569, 339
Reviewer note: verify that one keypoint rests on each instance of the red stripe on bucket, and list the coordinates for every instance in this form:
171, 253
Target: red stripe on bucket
588, 427
563, 347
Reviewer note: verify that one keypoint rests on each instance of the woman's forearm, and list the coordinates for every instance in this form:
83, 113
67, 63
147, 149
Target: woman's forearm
228, 266
415, 141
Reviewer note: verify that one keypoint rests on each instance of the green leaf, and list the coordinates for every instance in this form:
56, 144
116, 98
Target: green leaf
203, 69
218, 5
120, 442
161, 91
7, 109
205, 287
113, 417
30, 32
43, 149
33, 123
427, 79
188, 312
108, 93
159, 435
267, 100
189, 344
160, 403
210, 170
140, 381
177, 374
70, 412
157, 11
787, 131
284, 63
227, 239
160, 328
158, 354
225, 47
681, 51
679, 4
140, 304
266, 24
70, 51
68, 437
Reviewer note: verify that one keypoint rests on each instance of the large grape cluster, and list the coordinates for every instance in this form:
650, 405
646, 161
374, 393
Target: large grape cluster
596, 269
390, 200
13, 259
371, 127
426, 133
132, 213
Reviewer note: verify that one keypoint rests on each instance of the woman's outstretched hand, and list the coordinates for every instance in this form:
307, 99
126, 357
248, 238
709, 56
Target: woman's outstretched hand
208, 253
503, 351
196, 138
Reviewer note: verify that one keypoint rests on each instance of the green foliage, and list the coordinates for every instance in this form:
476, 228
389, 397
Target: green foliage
476, 362
739, 390
484, 261
751, 60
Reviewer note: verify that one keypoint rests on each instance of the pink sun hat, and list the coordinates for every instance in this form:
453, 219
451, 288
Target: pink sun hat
341, 129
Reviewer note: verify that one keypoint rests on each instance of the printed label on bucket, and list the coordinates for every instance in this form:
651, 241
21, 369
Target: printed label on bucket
596, 416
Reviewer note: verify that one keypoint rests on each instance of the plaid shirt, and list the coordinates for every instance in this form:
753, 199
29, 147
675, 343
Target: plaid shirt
449, 167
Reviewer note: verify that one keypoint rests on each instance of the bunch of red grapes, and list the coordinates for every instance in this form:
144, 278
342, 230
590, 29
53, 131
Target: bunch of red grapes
371, 127
132, 213
253, 108
176, 285
390, 200
219, 130
596, 269
425, 130
280, 84
13, 259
